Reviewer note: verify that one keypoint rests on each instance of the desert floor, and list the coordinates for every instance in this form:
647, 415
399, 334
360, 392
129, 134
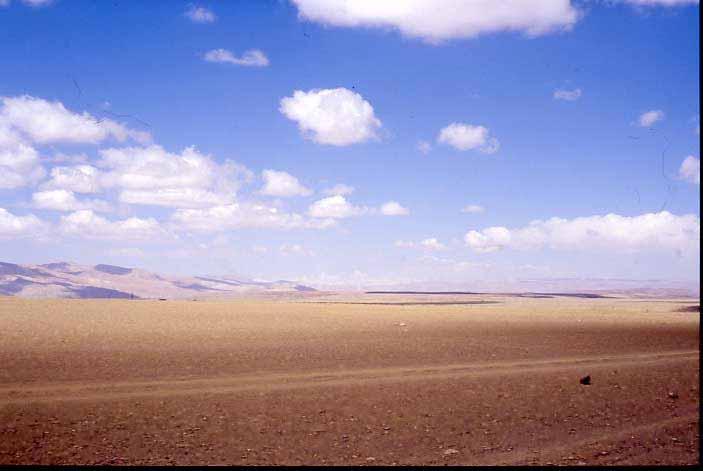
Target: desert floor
327, 380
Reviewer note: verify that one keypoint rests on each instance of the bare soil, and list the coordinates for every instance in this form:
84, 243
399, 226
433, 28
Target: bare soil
296, 382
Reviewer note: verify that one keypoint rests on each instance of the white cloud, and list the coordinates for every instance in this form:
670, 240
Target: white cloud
472, 209
650, 117
335, 207
4, 3
488, 240
690, 170
153, 176
12, 227
282, 184
424, 147
610, 232
466, 137
63, 200
174, 197
662, 3
153, 167
199, 14
46, 122
243, 215
78, 178
337, 117
404, 244
339, 189
568, 95
393, 208
86, 224
435, 21
19, 166
250, 58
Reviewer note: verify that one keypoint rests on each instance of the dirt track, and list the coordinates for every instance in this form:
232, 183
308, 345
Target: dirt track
123, 382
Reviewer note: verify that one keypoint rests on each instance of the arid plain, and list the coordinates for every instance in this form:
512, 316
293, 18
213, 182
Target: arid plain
367, 380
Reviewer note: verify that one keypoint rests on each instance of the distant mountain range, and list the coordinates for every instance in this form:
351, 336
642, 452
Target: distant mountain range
69, 280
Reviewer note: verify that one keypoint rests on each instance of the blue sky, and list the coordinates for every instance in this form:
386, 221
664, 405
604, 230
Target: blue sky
376, 88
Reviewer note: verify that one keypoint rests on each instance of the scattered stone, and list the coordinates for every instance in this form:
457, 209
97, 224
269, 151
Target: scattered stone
586, 380
402, 324
673, 395
450, 451
370, 459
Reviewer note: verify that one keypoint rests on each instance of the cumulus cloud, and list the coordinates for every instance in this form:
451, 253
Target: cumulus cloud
393, 208
243, 215
435, 21
19, 166
78, 179
339, 189
88, 225
174, 197
337, 117
282, 184
198, 14
488, 240
467, 137
64, 200
690, 170
335, 207
250, 58
13, 227
568, 95
610, 232
648, 118
472, 209
153, 176
45, 122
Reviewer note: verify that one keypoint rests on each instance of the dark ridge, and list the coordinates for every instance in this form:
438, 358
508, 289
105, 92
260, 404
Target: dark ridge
690, 309
304, 288
102, 293
194, 286
14, 286
224, 282
14, 269
112, 269
573, 295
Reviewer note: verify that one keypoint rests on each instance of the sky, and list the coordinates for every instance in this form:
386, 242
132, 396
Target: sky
354, 143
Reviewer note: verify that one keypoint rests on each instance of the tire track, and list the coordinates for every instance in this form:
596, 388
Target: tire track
552, 453
109, 391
